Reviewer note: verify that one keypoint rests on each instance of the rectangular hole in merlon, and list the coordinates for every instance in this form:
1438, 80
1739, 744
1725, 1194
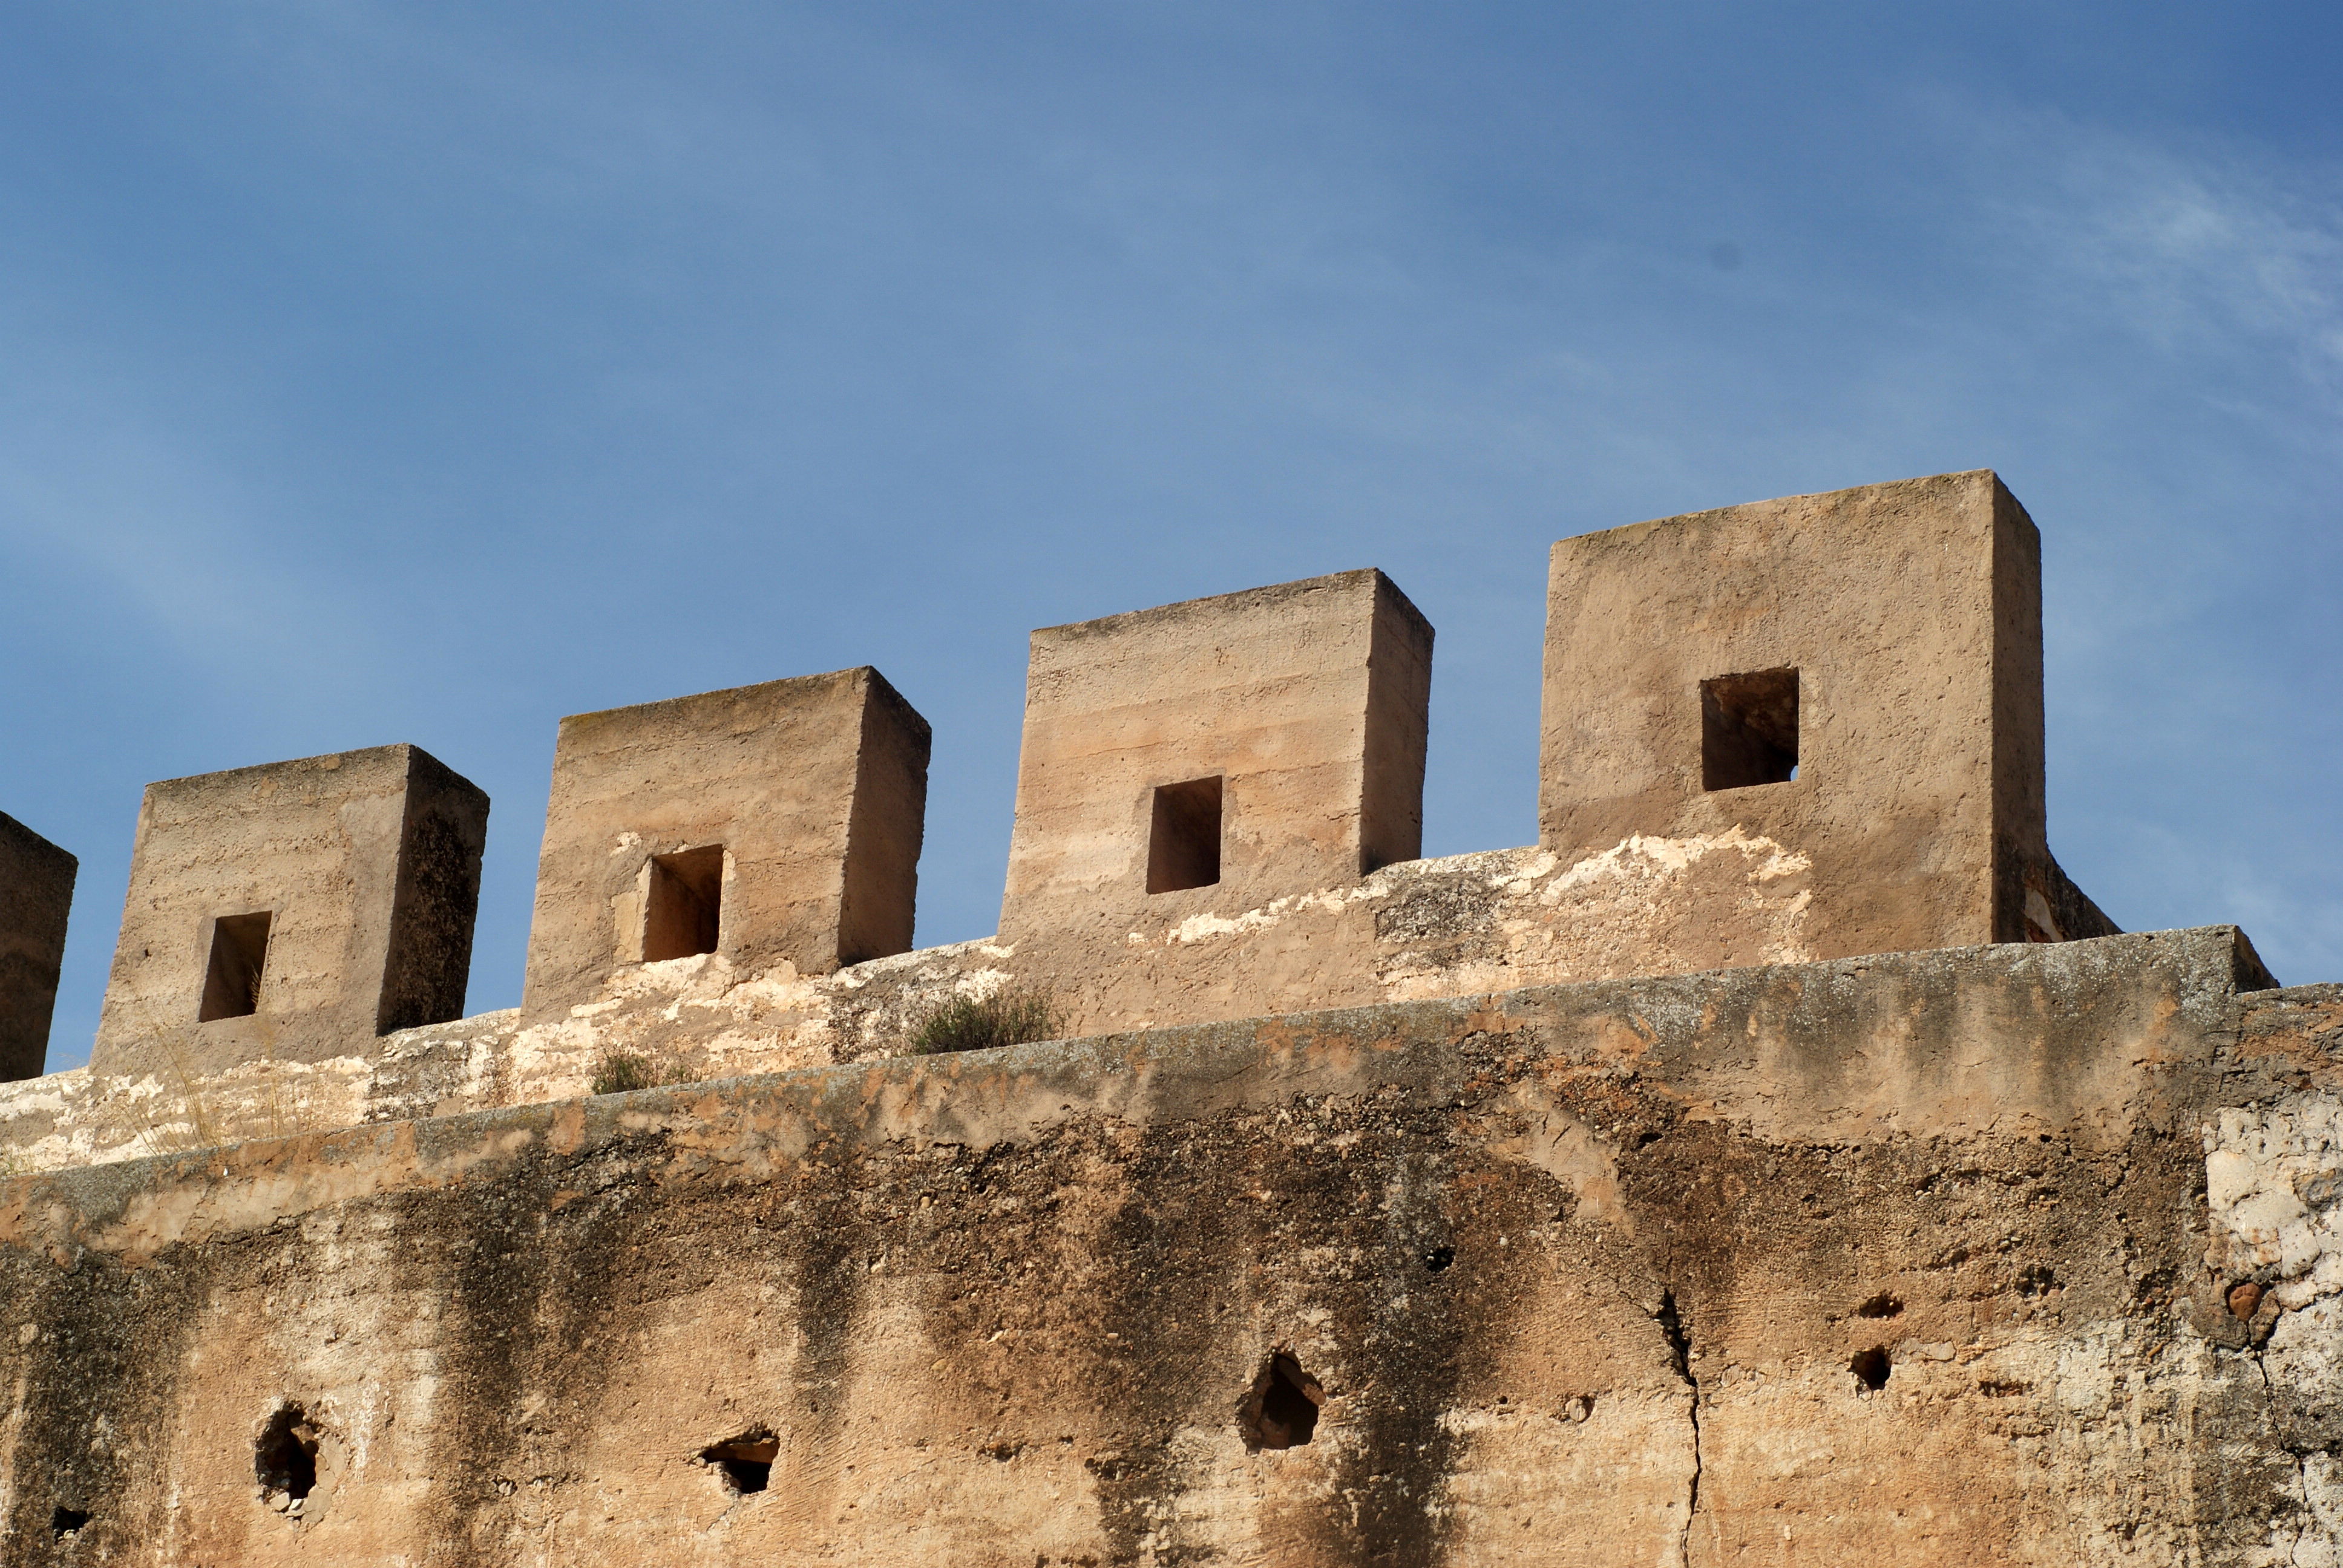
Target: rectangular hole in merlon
1749, 729
684, 913
1184, 841
239, 956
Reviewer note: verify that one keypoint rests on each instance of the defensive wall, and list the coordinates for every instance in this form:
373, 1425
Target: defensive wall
1781, 1161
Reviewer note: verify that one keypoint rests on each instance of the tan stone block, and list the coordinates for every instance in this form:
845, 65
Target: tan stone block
37, 883
1219, 754
1883, 644
294, 911
771, 823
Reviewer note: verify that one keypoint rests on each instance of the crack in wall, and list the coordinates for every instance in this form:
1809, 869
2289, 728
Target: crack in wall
2272, 1178
2301, 1456
2278, 1427
1672, 1325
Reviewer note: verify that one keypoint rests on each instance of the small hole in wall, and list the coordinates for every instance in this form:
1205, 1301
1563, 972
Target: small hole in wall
65, 1521
1280, 1409
1886, 1304
1183, 840
1439, 1257
285, 1458
1749, 729
1870, 1368
746, 1461
232, 976
684, 905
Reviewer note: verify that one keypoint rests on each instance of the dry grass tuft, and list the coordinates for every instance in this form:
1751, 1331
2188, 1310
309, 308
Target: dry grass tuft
624, 1071
1012, 1017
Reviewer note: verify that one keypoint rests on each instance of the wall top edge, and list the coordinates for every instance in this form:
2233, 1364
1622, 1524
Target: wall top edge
2084, 1039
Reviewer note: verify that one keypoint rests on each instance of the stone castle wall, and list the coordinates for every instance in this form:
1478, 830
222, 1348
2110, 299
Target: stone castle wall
1455, 926
1905, 1260
1799, 729
1615, 1198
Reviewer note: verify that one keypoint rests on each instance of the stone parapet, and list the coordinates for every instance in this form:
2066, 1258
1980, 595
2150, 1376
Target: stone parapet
292, 912
1460, 925
1802, 728
1856, 676
1219, 752
37, 884
768, 824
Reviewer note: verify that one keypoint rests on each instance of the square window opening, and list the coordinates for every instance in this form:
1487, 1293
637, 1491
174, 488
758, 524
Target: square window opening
683, 911
1749, 729
239, 956
1183, 843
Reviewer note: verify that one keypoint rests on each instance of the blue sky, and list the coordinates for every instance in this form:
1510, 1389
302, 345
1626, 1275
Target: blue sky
426, 372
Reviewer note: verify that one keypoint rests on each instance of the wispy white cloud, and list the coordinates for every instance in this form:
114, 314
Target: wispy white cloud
2201, 250
1108, 328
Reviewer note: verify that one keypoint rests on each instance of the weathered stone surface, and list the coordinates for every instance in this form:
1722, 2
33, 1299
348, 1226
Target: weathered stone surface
37, 883
1581, 1274
1306, 704
346, 885
1908, 617
803, 797
1465, 924
1409, 1212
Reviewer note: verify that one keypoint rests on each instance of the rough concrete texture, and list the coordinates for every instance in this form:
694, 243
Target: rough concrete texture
1463, 925
1306, 704
796, 805
1910, 616
366, 867
1900, 1259
37, 883
2271, 1289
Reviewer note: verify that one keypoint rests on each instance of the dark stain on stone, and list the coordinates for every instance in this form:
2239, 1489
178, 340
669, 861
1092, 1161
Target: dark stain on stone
1166, 1297
537, 1291
825, 1248
98, 1378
